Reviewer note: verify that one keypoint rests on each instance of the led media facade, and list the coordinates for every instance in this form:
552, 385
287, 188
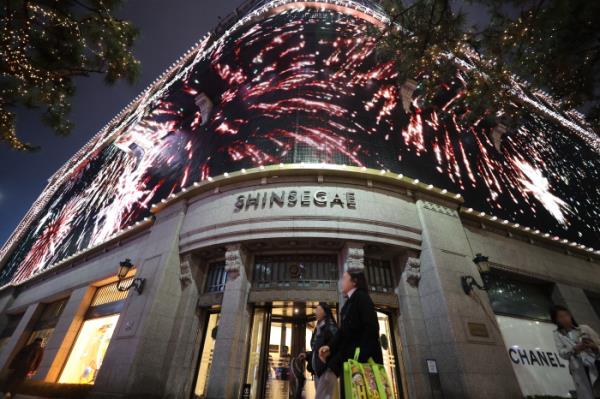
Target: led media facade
302, 84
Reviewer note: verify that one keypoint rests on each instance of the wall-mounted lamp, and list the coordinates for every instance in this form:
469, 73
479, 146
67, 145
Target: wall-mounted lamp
137, 283
483, 266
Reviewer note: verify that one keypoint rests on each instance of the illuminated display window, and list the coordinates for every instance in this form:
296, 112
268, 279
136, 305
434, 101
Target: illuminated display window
91, 344
44, 327
206, 358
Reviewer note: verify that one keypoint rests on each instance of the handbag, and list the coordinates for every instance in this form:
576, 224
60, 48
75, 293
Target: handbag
365, 380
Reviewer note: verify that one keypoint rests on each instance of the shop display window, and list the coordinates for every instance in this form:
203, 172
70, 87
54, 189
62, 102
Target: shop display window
89, 350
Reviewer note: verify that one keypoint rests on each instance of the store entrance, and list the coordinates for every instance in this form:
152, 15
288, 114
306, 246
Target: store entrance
281, 331
289, 332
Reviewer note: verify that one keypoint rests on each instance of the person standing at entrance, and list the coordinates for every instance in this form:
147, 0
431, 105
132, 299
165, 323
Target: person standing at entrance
25, 364
323, 333
359, 327
578, 344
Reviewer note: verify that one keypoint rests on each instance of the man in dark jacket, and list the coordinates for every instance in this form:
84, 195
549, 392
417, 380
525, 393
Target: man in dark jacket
24, 364
359, 327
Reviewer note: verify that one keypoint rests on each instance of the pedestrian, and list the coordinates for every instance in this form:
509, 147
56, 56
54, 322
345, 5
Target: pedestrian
578, 344
325, 330
24, 365
359, 327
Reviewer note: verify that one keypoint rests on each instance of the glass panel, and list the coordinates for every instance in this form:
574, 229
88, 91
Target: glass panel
514, 295
50, 315
309, 386
217, 277
207, 355
252, 375
594, 299
280, 343
43, 334
11, 325
379, 275
88, 352
389, 358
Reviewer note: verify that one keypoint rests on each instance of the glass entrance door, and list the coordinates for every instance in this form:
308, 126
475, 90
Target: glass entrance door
290, 330
283, 330
280, 332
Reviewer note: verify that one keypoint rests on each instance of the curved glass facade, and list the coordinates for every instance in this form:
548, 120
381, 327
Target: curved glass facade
304, 85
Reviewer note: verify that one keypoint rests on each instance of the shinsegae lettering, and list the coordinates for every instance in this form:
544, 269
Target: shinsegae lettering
292, 198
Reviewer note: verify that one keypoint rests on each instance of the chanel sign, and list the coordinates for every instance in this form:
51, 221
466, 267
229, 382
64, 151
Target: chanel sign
294, 198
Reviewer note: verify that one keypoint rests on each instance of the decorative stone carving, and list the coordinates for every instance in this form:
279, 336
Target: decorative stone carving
354, 259
440, 209
412, 272
234, 261
185, 272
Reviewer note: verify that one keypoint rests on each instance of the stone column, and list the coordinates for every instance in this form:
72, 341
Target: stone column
64, 334
576, 301
463, 334
230, 353
21, 334
142, 348
413, 332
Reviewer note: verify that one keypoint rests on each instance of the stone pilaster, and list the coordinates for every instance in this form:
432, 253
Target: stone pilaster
413, 332
226, 375
188, 335
143, 345
464, 337
576, 301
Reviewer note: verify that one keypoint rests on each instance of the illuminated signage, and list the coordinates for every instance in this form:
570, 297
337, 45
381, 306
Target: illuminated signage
293, 198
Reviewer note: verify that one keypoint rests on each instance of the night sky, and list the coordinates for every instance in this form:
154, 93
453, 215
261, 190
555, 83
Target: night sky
167, 30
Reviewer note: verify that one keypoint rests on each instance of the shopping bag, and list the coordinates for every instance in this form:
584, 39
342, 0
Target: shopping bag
365, 380
384, 384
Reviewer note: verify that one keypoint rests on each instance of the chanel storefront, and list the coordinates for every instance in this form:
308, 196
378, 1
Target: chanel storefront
181, 252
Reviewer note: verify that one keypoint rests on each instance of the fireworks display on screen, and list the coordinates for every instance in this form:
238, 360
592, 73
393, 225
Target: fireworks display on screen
304, 85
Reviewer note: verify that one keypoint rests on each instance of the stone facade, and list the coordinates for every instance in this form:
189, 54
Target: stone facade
155, 348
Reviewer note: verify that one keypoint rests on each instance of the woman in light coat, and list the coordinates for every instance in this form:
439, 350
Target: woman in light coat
578, 344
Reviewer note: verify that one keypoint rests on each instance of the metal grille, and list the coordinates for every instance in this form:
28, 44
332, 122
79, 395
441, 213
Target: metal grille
379, 275
216, 277
296, 271
109, 293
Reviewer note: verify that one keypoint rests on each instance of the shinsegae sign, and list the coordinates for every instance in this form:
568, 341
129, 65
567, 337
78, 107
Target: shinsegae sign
293, 198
